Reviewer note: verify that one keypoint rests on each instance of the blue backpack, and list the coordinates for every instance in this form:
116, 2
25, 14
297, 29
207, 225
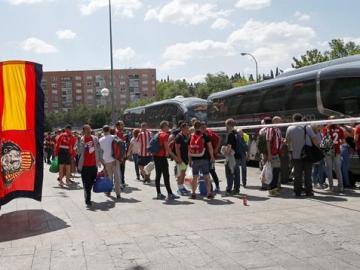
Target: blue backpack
154, 144
241, 145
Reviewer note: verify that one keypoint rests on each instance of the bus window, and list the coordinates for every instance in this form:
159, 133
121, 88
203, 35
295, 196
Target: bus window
250, 103
341, 95
302, 96
274, 99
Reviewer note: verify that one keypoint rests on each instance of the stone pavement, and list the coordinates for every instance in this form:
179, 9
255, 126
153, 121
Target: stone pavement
142, 233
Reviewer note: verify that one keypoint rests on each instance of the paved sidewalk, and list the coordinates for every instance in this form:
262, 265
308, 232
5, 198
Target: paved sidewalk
142, 233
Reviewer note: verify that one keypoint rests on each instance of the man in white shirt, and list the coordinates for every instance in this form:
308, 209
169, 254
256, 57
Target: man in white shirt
108, 160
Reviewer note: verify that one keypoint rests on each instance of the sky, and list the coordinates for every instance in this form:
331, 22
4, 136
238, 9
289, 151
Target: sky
182, 39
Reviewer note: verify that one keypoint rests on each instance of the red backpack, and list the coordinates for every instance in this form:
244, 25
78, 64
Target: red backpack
197, 145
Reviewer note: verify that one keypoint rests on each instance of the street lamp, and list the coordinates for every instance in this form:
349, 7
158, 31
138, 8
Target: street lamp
256, 63
112, 68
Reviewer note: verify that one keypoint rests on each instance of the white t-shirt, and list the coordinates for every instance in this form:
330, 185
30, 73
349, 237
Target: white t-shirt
135, 146
106, 147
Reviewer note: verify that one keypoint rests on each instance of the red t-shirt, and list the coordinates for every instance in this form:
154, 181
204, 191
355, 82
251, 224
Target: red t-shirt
357, 132
214, 138
163, 137
337, 136
89, 155
120, 134
274, 136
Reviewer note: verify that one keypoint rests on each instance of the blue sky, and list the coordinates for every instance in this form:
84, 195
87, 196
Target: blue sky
180, 38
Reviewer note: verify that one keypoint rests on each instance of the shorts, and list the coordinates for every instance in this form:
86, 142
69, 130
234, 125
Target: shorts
201, 165
64, 157
143, 161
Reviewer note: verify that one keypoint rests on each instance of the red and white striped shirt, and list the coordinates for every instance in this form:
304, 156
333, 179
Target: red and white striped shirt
144, 139
274, 136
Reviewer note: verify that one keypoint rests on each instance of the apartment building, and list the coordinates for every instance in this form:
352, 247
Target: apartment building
67, 89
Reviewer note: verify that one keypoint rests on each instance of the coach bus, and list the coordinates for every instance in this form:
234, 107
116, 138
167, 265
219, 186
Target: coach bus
330, 88
172, 110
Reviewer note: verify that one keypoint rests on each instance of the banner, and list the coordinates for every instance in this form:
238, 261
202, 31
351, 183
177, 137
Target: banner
21, 130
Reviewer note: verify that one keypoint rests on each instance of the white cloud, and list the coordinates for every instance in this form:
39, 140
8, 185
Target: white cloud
353, 39
273, 43
124, 54
39, 46
20, 2
124, 8
184, 12
170, 64
197, 49
66, 34
221, 23
253, 4
257, 33
303, 17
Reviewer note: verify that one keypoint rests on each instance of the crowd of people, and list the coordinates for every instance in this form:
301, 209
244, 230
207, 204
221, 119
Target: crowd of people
194, 147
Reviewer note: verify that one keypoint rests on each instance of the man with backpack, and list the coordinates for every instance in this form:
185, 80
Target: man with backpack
215, 142
123, 137
106, 145
181, 150
200, 155
296, 139
232, 174
333, 137
89, 160
159, 147
242, 150
274, 142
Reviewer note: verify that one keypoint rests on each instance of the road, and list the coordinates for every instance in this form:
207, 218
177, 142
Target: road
139, 232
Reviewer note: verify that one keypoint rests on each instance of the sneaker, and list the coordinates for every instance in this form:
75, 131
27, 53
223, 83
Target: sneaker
118, 197
183, 192
217, 190
108, 194
228, 193
160, 197
172, 197
235, 192
193, 196
274, 193
88, 204
210, 196
310, 194
317, 186
341, 190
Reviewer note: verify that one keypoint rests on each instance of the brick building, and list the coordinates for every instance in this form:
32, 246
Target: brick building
67, 89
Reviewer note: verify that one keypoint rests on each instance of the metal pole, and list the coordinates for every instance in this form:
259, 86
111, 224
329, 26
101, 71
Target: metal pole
256, 65
112, 89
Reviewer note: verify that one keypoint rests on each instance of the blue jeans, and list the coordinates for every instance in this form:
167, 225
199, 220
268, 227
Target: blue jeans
233, 179
242, 163
136, 163
275, 180
345, 159
319, 174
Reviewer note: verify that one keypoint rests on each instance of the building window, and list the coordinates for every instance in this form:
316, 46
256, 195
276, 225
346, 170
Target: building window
89, 84
89, 97
54, 92
53, 85
153, 82
77, 78
145, 89
78, 97
89, 78
78, 84
78, 91
55, 105
145, 76
145, 82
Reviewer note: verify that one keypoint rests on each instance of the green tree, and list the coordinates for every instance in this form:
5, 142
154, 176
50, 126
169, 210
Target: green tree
311, 57
338, 49
218, 82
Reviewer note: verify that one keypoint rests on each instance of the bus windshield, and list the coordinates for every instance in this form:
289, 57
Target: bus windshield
341, 95
198, 111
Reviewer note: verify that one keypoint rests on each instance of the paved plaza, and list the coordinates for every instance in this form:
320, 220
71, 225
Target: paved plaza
139, 232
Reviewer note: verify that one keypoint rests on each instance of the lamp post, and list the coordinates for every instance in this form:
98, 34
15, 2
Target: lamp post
112, 89
256, 64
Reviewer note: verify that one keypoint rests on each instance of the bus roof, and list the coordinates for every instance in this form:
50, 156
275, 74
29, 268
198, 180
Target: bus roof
343, 60
311, 73
180, 100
